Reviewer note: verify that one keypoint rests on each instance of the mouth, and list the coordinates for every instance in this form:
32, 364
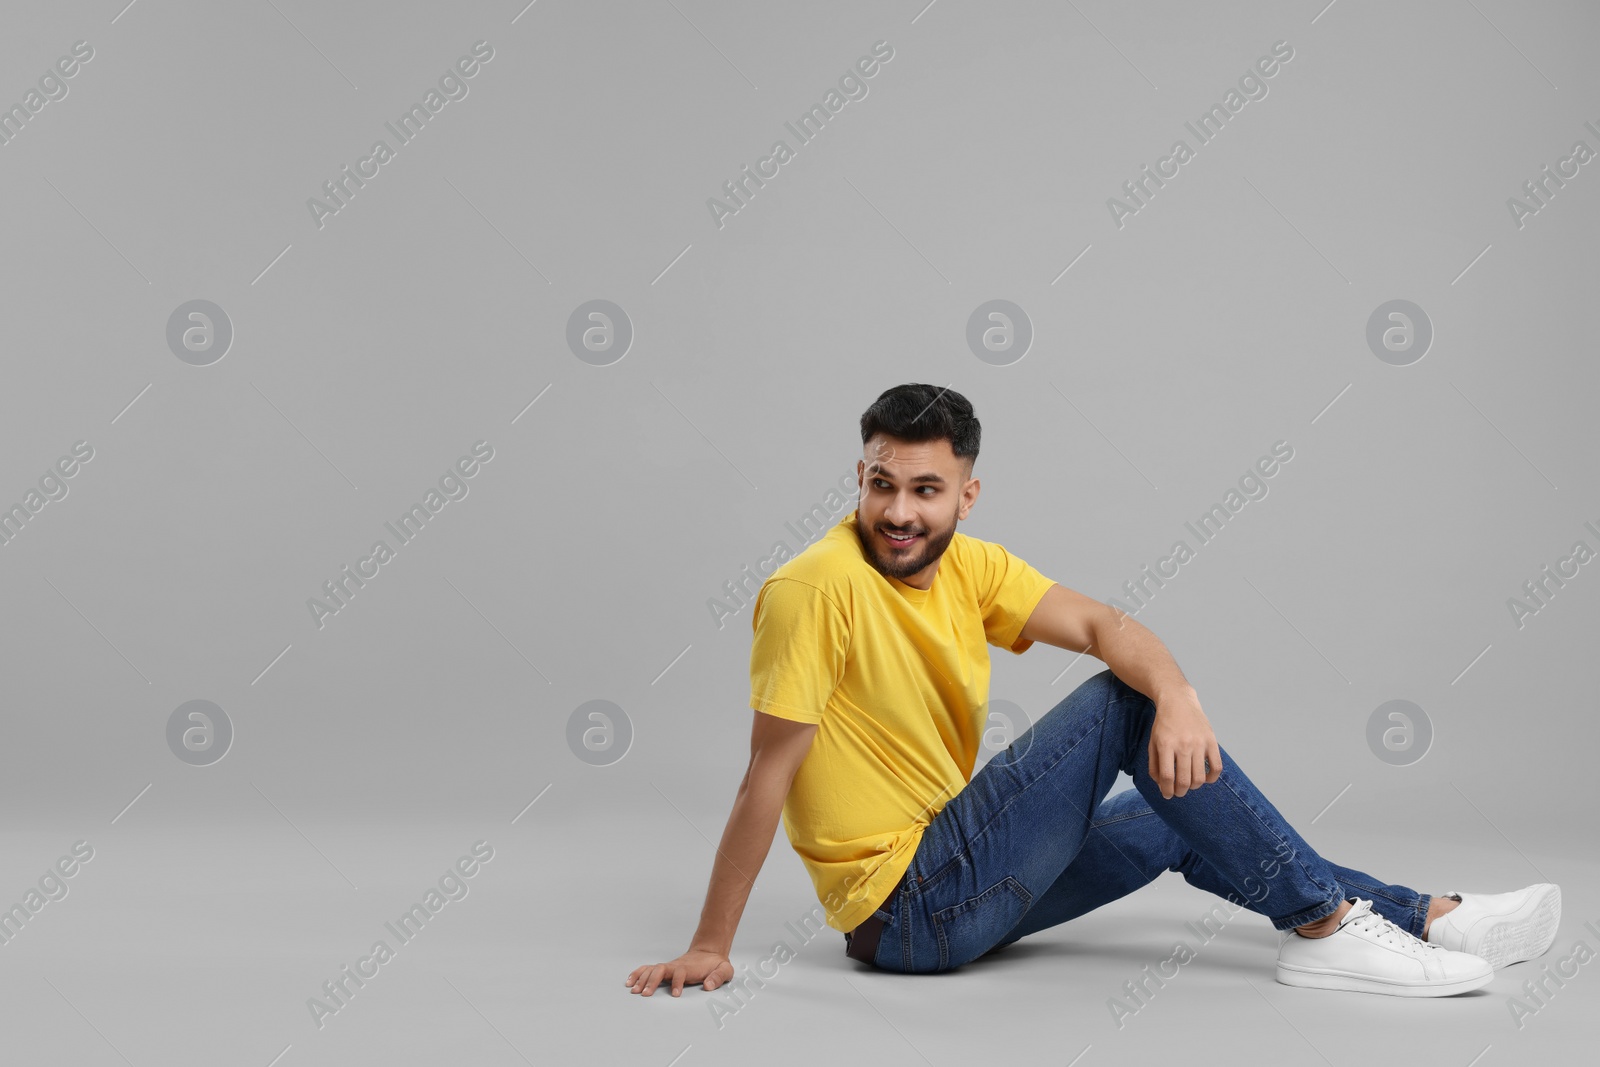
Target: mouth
898, 543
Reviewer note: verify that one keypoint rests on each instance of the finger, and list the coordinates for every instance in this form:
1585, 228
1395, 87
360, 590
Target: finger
1180, 784
1214, 754
1161, 771
653, 979
1156, 771
677, 981
1197, 770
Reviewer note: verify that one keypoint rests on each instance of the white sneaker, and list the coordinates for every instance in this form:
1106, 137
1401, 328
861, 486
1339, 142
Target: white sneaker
1503, 928
1370, 954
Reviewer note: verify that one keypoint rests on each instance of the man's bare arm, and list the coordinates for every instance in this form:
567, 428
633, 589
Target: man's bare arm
1184, 753
1067, 619
777, 748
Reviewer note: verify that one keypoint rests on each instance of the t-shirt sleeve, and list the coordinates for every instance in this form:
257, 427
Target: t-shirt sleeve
797, 656
1009, 588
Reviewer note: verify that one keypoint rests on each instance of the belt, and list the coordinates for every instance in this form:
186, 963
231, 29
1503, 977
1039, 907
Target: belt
862, 942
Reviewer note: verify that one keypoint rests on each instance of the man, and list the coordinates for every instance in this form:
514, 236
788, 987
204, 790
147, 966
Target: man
869, 680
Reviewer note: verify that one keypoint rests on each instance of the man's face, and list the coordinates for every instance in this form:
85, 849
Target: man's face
917, 488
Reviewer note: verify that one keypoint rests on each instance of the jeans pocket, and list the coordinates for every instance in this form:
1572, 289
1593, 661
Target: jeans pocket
969, 929
890, 945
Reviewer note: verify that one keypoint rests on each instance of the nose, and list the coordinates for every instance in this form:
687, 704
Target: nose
898, 514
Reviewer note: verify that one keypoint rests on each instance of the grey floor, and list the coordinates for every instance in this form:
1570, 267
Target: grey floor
347, 363
199, 945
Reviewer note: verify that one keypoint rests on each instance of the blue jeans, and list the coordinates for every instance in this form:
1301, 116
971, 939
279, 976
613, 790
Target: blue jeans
1033, 841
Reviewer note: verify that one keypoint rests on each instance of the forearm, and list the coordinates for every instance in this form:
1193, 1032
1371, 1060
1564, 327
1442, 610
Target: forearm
1137, 656
746, 841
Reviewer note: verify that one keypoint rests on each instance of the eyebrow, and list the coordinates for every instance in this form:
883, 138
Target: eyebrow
876, 471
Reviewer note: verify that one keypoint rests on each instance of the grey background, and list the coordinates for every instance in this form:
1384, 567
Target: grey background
431, 312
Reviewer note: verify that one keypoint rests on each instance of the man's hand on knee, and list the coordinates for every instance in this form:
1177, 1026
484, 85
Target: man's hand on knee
1184, 753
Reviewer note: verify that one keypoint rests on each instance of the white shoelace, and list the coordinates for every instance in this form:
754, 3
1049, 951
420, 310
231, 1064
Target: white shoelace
1386, 930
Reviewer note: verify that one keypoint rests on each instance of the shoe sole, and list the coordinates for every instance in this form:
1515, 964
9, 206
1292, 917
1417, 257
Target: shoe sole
1351, 983
1525, 933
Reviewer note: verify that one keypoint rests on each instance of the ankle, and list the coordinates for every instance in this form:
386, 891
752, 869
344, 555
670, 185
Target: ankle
1438, 906
1325, 925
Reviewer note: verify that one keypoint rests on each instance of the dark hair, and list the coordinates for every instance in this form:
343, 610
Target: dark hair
918, 412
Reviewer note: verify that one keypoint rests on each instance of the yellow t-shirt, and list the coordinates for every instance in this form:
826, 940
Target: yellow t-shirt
898, 679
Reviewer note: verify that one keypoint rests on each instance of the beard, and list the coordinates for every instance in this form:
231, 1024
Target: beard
891, 564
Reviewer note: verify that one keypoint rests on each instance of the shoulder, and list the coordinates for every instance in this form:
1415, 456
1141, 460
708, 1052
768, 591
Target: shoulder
830, 563
810, 575
978, 552
970, 553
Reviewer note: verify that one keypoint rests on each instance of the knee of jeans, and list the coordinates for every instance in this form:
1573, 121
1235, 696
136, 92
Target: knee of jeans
1101, 690
1126, 693
1184, 859
1132, 708
1155, 847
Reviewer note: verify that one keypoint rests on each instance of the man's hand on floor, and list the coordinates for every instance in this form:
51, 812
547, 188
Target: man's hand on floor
701, 967
1181, 742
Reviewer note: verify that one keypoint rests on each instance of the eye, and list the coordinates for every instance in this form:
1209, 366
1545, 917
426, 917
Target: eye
879, 482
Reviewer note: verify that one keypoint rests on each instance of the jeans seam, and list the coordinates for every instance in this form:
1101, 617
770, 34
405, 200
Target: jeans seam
904, 930
1122, 818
